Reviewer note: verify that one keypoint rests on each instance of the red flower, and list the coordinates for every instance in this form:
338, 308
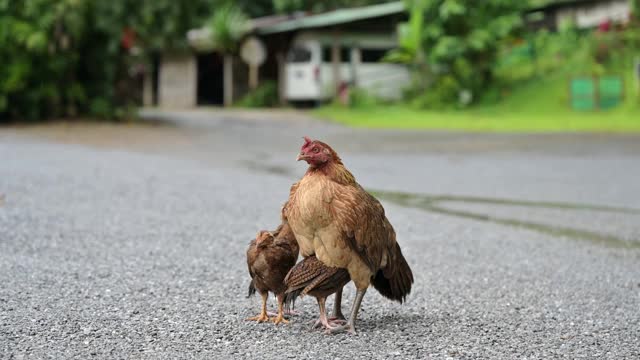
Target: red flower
128, 38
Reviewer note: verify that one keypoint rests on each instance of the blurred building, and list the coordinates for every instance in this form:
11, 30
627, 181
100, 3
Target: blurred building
310, 57
584, 14
317, 57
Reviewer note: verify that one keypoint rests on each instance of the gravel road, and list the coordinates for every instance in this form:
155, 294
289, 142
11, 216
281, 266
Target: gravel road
128, 242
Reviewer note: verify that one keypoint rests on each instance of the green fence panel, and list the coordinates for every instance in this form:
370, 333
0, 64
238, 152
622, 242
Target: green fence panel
583, 94
610, 89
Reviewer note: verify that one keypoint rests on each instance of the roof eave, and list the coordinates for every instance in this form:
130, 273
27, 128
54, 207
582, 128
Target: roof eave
336, 17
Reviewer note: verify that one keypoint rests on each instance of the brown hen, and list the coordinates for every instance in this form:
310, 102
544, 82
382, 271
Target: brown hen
310, 276
269, 258
333, 217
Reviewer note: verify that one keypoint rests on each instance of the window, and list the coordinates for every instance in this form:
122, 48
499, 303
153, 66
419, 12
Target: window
345, 54
373, 55
299, 55
326, 54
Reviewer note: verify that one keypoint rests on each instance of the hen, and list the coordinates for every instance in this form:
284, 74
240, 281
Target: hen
270, 257
311, 276
333, 217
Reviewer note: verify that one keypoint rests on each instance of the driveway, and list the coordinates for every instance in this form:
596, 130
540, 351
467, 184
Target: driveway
128, 241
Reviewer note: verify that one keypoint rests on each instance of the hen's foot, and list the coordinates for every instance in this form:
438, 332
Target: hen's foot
259, 318
348, 328
279, 320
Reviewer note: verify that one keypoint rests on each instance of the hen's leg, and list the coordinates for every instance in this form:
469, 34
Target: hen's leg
292, 312
323, 321
280, 318
263, 314
350, 326
337, 307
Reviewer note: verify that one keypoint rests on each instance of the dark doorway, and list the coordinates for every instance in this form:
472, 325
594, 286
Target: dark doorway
210, 79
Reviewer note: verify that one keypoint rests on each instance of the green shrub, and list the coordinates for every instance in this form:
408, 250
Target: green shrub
66, 58
265, 95
360, 98
101, 108
442, 94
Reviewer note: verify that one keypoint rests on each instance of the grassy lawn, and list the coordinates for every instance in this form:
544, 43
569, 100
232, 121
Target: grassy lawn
484, 120
538, 107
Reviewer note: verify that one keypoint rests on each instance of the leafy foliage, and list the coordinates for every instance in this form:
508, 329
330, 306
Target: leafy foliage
409, 50
265, 95
227, 26
460, 43
361, 99
73, 57
568, 52
256, 8
285, 6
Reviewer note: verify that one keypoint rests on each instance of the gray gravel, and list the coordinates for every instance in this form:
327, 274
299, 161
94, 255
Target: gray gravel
138, 252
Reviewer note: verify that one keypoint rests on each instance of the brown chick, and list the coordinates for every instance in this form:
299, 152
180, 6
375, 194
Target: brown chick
311, 276
269, 258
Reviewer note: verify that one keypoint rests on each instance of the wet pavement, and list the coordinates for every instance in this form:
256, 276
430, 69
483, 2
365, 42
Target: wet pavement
127, 241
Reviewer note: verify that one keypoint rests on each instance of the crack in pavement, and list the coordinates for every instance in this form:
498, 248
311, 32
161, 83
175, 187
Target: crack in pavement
429, 198
429, 203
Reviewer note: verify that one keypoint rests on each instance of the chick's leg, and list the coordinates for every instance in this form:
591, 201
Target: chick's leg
280, 318
337, 307
350, 326
263, 313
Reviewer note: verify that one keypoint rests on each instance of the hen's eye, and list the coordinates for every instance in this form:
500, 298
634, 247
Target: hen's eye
316, 150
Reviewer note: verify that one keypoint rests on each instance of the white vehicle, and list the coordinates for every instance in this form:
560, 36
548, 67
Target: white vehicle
309, 69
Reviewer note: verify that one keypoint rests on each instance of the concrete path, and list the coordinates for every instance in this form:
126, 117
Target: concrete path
128, 241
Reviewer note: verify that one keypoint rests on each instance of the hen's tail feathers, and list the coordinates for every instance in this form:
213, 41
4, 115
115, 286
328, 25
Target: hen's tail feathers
252, 289
394, 282
290, 298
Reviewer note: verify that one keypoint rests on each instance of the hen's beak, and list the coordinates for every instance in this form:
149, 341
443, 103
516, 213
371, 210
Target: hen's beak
302, 157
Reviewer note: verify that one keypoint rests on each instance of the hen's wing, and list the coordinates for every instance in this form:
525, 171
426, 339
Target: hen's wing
285, 206
363, 224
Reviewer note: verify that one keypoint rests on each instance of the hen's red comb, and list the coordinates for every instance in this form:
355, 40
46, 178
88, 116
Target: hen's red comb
307, 141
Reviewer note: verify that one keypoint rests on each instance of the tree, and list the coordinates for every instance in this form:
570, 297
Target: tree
256, 8
228, 25
287, 6
461, 40
38, 53
72, 57
410, 41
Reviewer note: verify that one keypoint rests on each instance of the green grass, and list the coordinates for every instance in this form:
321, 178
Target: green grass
541, 106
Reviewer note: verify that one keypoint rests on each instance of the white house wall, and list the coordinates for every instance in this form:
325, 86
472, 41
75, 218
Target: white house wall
178, 81
592, 15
